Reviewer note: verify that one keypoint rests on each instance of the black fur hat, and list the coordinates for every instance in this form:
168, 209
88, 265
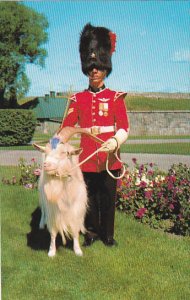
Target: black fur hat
96, 47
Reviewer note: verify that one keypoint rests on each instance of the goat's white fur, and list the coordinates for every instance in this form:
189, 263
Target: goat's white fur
63, 199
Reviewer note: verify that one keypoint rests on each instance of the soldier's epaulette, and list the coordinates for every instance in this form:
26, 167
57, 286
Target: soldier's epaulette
73, 98
119, 95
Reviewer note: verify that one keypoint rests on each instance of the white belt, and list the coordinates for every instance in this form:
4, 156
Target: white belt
100, 129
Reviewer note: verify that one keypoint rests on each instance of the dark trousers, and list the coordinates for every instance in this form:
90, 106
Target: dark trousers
100, 215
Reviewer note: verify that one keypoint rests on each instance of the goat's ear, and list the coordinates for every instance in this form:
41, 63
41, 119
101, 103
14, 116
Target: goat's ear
76, 151
46, 148
38, 147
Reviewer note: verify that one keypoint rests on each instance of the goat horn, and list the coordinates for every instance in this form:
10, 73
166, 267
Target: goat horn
67, 132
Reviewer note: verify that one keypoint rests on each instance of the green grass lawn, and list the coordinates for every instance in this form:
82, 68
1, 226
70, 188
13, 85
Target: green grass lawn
165, 148
146, 264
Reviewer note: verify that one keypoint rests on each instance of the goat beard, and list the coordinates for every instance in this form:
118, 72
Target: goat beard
53, 191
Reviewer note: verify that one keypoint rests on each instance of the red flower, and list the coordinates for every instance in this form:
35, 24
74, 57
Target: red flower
143, 184
140, 212
150, 172
170, 186
134, 160
148, 194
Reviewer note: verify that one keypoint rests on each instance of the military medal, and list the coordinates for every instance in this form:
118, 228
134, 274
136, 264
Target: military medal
103, 109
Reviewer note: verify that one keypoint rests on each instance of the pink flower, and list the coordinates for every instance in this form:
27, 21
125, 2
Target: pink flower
134, 160
160, 194
180, 216
143, 184
37, 172
33, 159
119, 183
28, 186
148, 194
172, 178
170, 186
140, 212
171, 206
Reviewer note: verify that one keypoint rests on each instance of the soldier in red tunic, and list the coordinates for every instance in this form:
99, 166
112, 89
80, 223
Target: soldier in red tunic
102, 111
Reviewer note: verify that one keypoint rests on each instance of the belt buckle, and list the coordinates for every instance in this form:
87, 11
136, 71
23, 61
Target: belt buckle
95, 130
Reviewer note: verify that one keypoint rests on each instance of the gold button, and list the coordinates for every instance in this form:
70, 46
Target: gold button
94, 120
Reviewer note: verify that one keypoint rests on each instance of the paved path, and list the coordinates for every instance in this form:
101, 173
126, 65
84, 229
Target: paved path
158, 141
163, 161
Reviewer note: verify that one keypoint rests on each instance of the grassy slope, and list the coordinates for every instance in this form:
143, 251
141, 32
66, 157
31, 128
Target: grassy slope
144, 103
140, 103
147, 264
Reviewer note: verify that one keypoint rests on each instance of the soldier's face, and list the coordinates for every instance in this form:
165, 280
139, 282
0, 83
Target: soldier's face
96, 77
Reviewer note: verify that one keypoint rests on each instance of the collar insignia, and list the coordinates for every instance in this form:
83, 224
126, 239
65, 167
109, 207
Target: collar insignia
104, 99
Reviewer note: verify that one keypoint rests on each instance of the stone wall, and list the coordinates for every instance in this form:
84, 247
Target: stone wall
145, 123
159, 123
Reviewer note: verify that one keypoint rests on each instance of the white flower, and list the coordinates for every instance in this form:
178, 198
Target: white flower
138, 181
159, 178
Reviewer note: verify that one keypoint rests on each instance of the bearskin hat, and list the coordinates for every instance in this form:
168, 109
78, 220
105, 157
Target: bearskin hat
96, 47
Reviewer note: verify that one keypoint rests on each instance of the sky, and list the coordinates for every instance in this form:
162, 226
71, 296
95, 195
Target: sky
152, 51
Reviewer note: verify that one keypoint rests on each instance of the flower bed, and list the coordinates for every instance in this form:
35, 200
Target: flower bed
157, 199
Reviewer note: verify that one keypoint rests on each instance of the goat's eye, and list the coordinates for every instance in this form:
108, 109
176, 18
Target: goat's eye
63, 152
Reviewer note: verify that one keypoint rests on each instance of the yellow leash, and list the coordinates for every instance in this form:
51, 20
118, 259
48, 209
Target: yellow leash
107, 163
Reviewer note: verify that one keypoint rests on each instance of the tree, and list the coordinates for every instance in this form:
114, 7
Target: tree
23, 32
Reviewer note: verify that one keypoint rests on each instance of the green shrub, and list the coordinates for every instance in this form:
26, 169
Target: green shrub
16, 126
159, 200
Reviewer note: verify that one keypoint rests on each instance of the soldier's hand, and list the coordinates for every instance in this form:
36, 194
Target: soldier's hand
110, 145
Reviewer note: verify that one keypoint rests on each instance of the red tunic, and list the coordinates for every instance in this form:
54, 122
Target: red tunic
104, 108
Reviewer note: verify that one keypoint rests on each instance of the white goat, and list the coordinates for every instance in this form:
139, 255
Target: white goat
63, 195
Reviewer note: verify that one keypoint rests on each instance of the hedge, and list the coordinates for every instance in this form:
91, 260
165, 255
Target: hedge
16, 126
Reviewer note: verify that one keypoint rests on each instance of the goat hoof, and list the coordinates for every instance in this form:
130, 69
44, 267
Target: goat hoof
51, 253
79, 252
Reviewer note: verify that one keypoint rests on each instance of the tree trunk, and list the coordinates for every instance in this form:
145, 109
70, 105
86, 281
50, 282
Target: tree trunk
2, 99
13, 98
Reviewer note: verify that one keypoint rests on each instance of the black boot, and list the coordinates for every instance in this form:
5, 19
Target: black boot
89, 239
110, 242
